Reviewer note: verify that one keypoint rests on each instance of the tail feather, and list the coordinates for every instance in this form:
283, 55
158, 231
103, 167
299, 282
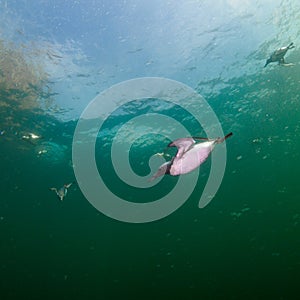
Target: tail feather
228, 135
221, 140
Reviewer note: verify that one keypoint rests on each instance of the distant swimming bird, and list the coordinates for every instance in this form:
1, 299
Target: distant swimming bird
31, 138
62, 192
190, 155
278, 55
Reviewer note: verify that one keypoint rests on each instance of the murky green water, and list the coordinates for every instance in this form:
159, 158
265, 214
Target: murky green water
243, 245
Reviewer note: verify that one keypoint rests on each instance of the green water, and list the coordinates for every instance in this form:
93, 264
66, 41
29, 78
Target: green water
243, 245
55, 56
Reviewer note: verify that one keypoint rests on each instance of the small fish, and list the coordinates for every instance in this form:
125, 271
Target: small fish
135, 51
51, 55
40, 152
190, 155
61, 192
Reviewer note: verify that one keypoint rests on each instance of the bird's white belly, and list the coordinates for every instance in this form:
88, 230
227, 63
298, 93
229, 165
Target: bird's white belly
192, 159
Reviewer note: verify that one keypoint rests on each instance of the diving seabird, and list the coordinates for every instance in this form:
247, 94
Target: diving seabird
190, 155
62, 192
278, 55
